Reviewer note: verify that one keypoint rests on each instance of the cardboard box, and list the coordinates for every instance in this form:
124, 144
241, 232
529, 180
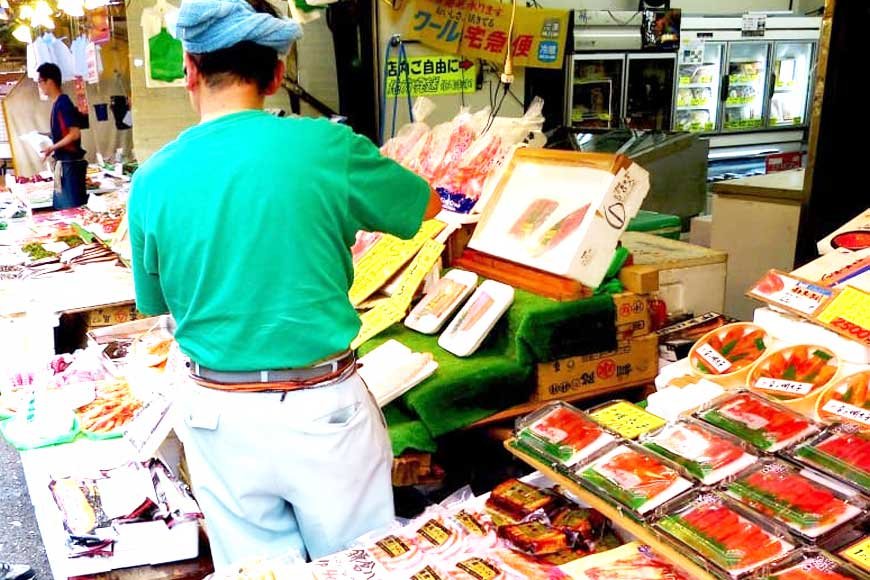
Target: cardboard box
633, 361
639, 279
632, 315
111, 315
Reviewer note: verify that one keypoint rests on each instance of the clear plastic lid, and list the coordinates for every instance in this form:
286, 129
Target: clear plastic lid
762, 423
633, 477
560, 433
720, 533
812, 564
842, 451
798, 499
729, 349
793, 372
847, 400
706, 453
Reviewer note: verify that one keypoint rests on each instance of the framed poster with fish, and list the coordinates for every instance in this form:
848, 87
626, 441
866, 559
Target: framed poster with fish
561, 212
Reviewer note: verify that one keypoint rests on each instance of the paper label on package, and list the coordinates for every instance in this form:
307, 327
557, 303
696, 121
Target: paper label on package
848, 411
849, 314
470, 523
393, 546
427, 573
714, 357
784, 386
627, 419
434, 532
859, 554
479, 569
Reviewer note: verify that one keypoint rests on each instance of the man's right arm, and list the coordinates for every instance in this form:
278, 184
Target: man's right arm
383, 195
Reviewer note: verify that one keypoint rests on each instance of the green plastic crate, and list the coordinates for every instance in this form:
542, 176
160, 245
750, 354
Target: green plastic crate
657, 224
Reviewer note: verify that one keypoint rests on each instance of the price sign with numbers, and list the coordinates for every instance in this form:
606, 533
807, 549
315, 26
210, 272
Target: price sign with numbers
859, 553
848, 314
791, 293
627, 419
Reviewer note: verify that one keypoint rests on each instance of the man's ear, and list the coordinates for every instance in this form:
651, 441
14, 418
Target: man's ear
191, 73
277, 79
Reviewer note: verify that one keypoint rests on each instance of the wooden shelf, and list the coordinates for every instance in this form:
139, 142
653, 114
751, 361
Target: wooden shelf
641, 531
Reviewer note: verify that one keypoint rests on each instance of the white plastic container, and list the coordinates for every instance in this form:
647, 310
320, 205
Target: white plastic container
448, 294
793, 330
477, 318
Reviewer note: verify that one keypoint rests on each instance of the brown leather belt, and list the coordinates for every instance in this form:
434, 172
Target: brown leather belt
281, 380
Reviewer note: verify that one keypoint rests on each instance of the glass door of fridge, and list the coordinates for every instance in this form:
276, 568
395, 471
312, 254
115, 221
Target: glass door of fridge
791, 77
596, 91
650, 91
745, 86
699, 77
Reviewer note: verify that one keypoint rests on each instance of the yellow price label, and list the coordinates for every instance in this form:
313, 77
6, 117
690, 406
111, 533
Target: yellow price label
848, 313
413, 275
859, 553
434, 532
627, 419
377, 320
385, 258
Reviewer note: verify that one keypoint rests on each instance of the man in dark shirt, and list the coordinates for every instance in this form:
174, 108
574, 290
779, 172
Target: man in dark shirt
66, 134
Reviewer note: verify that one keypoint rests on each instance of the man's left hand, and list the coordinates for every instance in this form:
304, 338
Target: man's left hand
46, 153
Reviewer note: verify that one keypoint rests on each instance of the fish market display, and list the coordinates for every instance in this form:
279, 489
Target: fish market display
793, 372
779, 491
759, 422
560, 432
114, 406
841, 452
729, 349
707, 455
634, 478
847, 401
719, 533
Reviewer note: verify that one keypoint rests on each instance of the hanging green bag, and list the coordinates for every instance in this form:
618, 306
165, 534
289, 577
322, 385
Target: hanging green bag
167, 62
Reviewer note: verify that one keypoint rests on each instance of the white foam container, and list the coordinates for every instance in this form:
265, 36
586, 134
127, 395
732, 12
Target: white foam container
465, 342
792, 330
431, 324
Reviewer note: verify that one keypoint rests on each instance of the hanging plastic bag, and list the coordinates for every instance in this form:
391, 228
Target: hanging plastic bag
166, 57
463, 183
400, 147
447, 142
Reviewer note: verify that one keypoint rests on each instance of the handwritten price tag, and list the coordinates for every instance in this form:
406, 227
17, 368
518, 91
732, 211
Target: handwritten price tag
714, 357
848, 314
783, 386
627, 419
847, 411
859, 554
796, 295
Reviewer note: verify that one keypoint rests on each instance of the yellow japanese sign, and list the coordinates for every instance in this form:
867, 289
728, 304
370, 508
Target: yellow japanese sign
430, 75
848, 313
627, 419
859, 554
479, 29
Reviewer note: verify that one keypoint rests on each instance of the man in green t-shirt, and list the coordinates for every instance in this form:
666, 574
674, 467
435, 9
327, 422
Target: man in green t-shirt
241, 229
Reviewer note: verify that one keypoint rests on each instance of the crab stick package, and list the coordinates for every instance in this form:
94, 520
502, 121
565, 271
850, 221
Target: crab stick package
408, 139
784, 493
846, 400
761, 423
631, 561
477, 318
841, 451
708, 455
813, 564
561, 433
633, 477
794, 375
439, 304
720, 532
725, 354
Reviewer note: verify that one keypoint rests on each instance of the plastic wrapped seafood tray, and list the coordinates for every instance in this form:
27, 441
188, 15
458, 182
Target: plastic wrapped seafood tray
841, 451
562, 434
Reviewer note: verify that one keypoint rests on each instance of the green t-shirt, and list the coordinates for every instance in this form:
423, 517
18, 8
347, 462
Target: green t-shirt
241, 228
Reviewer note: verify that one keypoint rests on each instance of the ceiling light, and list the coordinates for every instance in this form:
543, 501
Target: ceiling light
23, 34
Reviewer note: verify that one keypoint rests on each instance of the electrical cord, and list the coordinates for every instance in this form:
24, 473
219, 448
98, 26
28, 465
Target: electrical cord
395, 41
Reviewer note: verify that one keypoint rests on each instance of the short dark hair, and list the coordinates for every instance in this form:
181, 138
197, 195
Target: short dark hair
243, 62
49, 71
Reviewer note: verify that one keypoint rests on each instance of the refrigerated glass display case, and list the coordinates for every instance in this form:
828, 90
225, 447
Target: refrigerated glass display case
699, 76
791, 76
596, 90
745, 86
649, 91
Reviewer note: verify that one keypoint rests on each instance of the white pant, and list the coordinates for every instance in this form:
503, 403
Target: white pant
311, 472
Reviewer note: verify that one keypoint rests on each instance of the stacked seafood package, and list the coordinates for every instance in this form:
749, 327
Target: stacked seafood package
745, 486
